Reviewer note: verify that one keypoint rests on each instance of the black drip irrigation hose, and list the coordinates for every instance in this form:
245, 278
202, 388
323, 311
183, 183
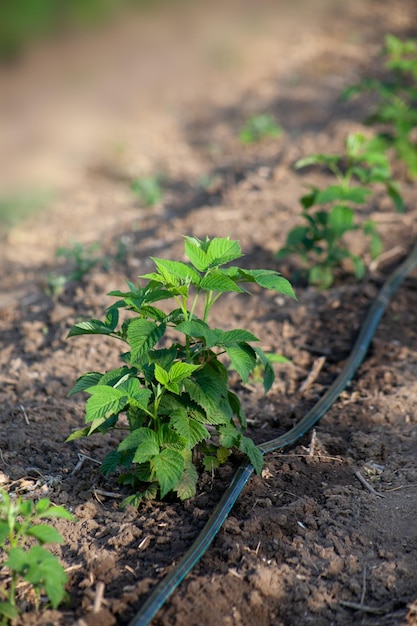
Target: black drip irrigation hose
223, 508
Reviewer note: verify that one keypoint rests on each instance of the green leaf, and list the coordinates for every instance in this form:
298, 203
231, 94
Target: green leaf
231, 337
168, 467
4, 532
223, 250
229, 435
191, 430
187, 486
143, 335
341, 219
217, 280
104, 402
255, 456
196, 254
321, 276
317, 159
269, 279
8, 610
45, 534
92, 327
269, 375
136, 438
393, 190
85, 381
337, 192
59, 512
179, 270
179, 371
148, 446
243, 359
110, 462
112, 317
77, 434
161, 375
207, 400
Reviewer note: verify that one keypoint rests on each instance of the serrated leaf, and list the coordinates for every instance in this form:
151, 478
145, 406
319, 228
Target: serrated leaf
191, 430
179, 371
92, 327
269, 279
113, 378
168, 467
209, 404
143, 335
231, 337
223, 250
196, 254
181, 271
45, 534
187, 486
229, 435
77, 434
252, 451
110, 463
137, 396
147, 448
217, 280
243, 359
85, 381
104, 402
136, 437
161, 375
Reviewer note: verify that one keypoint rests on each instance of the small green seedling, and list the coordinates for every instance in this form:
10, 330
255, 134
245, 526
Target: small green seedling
35, 564
148, 190
320, 242
259, 127
172, 388
396, 110
83, 258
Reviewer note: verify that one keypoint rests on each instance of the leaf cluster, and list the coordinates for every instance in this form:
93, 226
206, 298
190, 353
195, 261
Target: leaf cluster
19, 523
396, 110
172, 388
320, 242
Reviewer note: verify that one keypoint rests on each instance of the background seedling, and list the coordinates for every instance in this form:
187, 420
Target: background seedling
396, 111
19, 528
319, 243
148, 190
173, 386
259, 127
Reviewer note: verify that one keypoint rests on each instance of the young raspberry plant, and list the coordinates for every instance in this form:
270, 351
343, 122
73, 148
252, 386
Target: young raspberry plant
320, 242
35, 565
172, 389
396, 110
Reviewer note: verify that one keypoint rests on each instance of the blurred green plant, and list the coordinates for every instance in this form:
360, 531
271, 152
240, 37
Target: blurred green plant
396, 110
18, 206
35, 564
259, 127
320, 243
148, 190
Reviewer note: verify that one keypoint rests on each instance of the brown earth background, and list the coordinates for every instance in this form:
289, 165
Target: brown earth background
166, 94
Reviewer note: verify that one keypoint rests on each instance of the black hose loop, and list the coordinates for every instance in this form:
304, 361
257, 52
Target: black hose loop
166, 587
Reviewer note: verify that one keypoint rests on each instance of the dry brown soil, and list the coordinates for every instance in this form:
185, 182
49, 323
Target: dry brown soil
83, 119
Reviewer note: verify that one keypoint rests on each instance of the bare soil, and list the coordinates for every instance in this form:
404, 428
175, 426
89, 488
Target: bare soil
306, 542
